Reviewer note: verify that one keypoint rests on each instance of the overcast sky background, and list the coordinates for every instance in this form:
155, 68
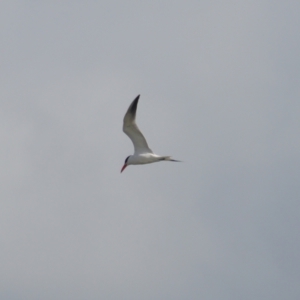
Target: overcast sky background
220, 90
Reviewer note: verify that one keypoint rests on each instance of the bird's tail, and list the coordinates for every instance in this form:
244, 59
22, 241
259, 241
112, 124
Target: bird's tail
168, 158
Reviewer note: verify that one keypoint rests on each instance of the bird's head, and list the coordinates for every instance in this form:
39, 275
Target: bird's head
126, 163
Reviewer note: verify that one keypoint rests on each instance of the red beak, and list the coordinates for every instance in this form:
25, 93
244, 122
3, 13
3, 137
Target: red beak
123, 168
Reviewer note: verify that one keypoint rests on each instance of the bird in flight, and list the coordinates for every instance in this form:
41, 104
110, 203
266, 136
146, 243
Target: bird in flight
142, 153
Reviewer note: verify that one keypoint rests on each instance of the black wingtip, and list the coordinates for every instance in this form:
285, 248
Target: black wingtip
133, 105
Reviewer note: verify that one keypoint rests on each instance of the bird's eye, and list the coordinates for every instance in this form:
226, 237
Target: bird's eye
126, 159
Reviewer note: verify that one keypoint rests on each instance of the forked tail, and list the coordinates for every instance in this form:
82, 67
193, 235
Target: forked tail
168, 158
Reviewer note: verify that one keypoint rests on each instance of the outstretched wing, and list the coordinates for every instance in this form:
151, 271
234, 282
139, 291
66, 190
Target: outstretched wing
130, 128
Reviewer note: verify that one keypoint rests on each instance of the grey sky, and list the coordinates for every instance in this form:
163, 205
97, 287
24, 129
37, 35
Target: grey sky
219, 85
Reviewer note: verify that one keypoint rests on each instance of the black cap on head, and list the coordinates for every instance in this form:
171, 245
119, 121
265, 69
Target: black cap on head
126, 159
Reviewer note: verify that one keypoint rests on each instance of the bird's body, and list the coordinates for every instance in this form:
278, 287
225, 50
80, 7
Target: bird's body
142, 153
146, 158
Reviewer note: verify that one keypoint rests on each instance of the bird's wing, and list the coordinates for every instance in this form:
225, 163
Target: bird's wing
130, 128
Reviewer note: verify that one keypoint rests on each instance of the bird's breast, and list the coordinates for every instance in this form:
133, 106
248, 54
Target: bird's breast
145, 158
